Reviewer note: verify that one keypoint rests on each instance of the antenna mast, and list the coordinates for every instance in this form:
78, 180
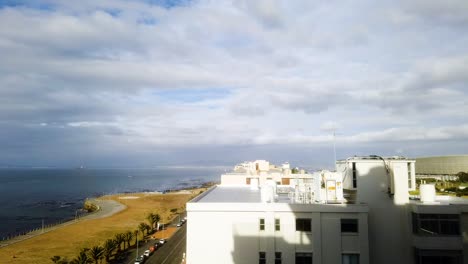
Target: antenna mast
334, 147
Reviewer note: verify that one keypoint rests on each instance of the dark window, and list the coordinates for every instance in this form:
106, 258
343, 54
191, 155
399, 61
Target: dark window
262, 224
350, 259
277, 225
436, 224
409, 176
354, 175
415, 221
278, 259
303, 258
349, 225
261, 258
427, 256
304, 224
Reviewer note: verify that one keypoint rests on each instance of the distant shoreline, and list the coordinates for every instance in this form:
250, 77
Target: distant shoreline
106, 208
99, 227
54, 195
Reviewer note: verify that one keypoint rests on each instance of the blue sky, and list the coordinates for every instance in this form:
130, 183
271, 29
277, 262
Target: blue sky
143, 83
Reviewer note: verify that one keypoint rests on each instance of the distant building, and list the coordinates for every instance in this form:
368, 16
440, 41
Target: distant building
442, 165
362, 213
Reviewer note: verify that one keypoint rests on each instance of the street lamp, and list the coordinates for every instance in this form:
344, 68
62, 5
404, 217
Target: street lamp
136, 245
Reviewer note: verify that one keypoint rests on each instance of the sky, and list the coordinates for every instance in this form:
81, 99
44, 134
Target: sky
154, 83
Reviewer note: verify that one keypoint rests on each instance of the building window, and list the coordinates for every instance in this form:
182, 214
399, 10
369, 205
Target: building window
350, 259
262, 224
261, 258
304, 224
303, 258
436, 224
349, 225
409, 176
247, 181
278, 258
354, 175
277, 224
431, 256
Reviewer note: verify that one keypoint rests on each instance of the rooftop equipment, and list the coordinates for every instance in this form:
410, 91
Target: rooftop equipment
427, 193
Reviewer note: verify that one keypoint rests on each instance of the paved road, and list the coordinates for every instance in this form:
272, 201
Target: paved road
170, 253
106, 209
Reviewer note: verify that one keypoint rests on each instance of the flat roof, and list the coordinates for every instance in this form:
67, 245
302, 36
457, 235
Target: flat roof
243, 199
240, 194
443, 200
232, 194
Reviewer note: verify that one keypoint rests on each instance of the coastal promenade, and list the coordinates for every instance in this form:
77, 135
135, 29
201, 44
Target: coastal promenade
124, 212
106, 208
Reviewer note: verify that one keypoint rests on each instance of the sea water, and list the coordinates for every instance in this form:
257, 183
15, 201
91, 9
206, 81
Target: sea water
31, 197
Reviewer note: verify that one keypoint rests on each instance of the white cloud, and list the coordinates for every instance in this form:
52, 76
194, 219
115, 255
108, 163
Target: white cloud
289, 73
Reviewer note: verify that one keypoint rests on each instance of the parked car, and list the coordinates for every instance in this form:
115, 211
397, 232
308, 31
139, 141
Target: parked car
179, 224
153, 248
140, 260
162, 241
147, 253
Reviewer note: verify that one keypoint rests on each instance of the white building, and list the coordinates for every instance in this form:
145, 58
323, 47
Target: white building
311, 218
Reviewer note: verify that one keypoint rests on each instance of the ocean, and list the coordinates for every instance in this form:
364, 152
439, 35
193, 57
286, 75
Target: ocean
29, 197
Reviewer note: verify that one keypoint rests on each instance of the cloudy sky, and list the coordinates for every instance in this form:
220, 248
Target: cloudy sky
144, 83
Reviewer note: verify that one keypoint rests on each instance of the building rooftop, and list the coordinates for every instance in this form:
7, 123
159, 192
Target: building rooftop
244, 199
241, 194
231, 194
442, 200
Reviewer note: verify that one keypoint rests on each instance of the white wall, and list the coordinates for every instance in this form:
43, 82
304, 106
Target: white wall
389, 218
226, 233
234, 179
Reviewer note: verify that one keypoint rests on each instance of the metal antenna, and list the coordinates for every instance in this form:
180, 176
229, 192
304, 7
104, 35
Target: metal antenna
334, 147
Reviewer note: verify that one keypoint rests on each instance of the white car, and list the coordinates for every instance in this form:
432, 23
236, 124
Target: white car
179, 224
162, 241
140, 260
147, 253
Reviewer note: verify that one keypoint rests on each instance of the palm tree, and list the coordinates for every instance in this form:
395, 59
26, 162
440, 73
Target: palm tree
119, 239
96, 253
59, 260
82, 258
148, 229
136, 236
142, 228
109, 246
63, 261
150, 217
157, 218
128, 237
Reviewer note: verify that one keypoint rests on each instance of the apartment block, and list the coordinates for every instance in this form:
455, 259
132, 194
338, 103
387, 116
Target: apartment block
360, 213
